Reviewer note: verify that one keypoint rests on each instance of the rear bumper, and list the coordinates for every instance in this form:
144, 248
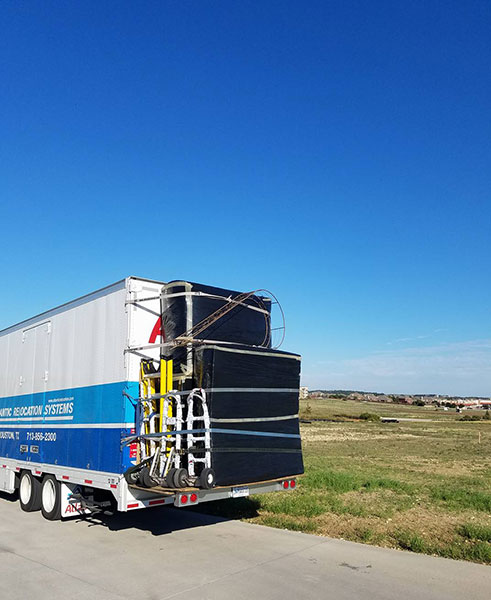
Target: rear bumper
145, 498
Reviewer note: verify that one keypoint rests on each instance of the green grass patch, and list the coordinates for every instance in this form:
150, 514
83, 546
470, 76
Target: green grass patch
459, 498
386, 483
476, 552
345, 481
295, 504
305, 504
364, 534
474, 531
368, 416
336, 481
285, 522
479, 551
408, 540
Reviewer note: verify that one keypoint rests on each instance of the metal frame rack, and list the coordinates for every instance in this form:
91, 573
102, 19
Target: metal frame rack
172, 432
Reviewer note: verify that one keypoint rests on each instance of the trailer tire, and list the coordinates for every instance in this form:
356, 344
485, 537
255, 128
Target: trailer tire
29, 492
145, 479
132, 477
133, 473
207, 478
180, 478
169, 478
51, 498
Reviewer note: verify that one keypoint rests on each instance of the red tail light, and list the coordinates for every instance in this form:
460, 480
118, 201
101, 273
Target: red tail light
184, 499
293, 483
193, 497
285, 485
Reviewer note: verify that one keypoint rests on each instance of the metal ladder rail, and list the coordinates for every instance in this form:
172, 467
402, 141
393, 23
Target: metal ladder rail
146, 403
171, 423
199, 395
163, 413
153, 415
178, 437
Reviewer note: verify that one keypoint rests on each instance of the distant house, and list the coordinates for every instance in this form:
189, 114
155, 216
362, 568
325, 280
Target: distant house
304, 392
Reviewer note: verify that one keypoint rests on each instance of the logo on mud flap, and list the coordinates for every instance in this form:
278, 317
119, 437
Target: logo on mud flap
73, 507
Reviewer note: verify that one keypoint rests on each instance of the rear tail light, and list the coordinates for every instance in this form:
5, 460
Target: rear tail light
293, 483
193, 497
285, 485
184, 499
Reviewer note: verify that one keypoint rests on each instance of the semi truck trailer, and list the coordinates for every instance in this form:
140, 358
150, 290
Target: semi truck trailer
147, 393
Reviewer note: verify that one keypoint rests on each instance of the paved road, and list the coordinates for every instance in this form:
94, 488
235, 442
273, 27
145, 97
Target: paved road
167, 553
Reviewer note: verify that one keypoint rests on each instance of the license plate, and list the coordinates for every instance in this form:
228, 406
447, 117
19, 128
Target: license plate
240, 492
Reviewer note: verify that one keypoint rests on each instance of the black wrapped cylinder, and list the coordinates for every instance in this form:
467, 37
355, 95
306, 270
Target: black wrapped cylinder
185, 304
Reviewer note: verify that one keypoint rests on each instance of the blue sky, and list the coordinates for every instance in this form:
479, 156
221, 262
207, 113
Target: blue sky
337, 153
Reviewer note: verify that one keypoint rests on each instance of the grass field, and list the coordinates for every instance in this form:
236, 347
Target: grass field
417, 485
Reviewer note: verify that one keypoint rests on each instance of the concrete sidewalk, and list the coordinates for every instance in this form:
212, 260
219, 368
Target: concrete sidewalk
169, 553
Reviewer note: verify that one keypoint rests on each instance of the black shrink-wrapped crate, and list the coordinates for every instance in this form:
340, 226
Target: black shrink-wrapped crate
252, 397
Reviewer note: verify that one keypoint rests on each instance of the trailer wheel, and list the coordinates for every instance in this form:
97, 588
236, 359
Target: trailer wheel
51, 498
207, 478
29, 492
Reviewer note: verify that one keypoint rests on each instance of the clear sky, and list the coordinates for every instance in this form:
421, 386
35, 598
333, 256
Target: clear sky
337, 153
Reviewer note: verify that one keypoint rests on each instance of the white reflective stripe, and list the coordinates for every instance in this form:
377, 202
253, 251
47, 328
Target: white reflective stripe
255, 420
30, 419
68, 426
262, 390
276, 354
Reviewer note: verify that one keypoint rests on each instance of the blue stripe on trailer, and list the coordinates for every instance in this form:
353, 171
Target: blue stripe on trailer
92, 404
80, 428
94, 449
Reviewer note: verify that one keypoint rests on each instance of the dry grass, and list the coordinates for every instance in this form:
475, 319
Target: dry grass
417, 485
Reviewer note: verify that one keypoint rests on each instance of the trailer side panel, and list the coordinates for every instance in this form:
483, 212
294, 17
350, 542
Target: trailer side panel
62, 380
